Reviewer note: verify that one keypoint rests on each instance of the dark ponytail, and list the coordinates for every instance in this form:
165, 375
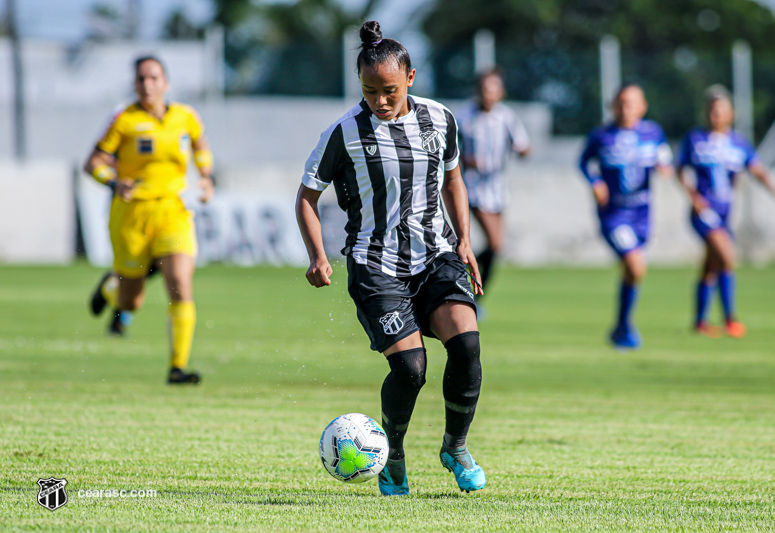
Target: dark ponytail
375, 50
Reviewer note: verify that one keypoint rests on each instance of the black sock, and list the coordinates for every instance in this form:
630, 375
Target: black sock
485, 260
462, 382
399, 393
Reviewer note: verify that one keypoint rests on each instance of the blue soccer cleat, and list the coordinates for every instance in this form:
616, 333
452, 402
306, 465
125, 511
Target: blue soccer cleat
468, 474
394, 470
625, 338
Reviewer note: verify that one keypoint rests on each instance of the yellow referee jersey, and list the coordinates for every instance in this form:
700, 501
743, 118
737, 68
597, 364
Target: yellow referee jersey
150, 151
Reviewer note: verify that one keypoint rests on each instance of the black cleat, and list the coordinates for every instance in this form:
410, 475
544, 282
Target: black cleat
98, 301
178, 377
119, 323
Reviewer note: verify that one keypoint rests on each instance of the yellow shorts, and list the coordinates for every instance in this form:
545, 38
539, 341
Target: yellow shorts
143, 230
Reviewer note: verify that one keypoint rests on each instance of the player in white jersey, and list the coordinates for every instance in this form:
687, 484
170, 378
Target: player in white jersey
392, 159
489, 131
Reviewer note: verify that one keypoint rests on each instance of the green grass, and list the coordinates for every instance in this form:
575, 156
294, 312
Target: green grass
679, 436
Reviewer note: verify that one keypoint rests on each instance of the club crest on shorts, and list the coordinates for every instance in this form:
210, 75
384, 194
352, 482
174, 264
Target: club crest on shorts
431, 141
371, 149
391, 323
52, 493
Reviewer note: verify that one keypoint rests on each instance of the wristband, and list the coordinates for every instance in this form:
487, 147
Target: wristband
104, 174
203, 159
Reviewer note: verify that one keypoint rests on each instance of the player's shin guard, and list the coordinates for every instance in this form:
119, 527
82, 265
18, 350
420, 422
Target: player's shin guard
399, 393
705, 291
462, 382
182, 320
726, 286
485, 261
628, 296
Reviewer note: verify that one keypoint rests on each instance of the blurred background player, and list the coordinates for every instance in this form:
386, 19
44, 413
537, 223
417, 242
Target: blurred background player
489, 132
716, 155
392, 158
626, 152
143, 157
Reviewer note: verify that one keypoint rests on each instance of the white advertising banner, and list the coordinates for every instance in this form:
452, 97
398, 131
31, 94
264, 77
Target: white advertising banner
234, 227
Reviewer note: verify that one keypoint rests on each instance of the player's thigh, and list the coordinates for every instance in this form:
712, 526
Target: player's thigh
492, 224
453, 318
178, 271
384, 308
129, 238
720, 242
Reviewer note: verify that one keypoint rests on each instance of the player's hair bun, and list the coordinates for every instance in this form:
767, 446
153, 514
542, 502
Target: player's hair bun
370, 33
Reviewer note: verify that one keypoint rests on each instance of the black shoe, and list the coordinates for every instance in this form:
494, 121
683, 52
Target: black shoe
98, 301
119, 323
177, 377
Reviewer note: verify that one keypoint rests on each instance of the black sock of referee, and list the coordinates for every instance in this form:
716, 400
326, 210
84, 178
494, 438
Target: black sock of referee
399, 393
485, 260
462, 382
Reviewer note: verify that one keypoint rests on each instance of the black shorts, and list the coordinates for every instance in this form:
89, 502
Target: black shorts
391, 309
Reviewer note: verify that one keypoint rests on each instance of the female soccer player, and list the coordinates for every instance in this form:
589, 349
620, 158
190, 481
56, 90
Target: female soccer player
627, 151
392, 158
489, 131
142, 157
717, 155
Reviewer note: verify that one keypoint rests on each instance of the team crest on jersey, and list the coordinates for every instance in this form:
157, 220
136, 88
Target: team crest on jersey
431, 141
144, 145
391, 323
52, 493
371, 149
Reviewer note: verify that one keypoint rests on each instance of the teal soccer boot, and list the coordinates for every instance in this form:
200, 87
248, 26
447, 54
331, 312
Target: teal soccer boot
468, 474
394, 470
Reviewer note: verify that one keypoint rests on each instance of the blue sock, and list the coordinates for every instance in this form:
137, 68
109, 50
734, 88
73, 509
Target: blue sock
726, 285
705, 292
628, 295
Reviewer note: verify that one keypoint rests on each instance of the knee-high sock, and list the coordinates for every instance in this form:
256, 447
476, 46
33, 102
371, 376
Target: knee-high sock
182, 320
462, 383
704, 297
109, 290
399, 394
628, 296
726, 286
485, 260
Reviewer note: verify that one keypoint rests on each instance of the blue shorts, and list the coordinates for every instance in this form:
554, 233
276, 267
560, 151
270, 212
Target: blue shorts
710, 219
625, 230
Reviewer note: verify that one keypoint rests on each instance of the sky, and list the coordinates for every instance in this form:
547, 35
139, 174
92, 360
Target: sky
68, 20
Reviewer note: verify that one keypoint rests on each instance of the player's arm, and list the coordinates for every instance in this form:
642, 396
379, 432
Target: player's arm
761, 173
101, 166
203, 159
308, 218
456, 202
687, 184
599, 187
665, 160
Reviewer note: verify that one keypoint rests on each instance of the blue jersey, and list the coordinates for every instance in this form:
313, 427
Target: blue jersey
626, 159
716, 158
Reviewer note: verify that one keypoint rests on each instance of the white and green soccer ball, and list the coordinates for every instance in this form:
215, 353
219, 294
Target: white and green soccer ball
353, 448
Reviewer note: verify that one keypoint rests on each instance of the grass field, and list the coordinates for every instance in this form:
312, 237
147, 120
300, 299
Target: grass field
573, 435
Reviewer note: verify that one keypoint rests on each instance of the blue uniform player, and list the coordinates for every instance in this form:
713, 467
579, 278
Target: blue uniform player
626, 152
716, 156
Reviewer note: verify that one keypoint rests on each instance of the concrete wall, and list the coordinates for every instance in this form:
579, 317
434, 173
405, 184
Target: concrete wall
37, 212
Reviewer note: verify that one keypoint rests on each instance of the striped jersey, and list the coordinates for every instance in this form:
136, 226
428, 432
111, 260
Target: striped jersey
488, 137
388, 177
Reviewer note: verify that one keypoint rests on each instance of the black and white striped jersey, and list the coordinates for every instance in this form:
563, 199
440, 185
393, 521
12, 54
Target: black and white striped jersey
388, 177
489, 137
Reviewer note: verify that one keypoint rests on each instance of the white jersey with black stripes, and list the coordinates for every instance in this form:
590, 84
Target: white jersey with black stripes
388, 177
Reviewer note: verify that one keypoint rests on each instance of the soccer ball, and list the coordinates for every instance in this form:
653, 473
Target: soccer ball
353, 448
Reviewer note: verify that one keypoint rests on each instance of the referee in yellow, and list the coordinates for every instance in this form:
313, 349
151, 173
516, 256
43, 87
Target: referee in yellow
142, 157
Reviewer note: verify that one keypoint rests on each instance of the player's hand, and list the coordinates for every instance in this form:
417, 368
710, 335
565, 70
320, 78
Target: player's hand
125, 189
208, 189
698, 203
466, 255
319, 273
600, 190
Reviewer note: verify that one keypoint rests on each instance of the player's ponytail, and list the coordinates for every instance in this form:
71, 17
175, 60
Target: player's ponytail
376, 50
